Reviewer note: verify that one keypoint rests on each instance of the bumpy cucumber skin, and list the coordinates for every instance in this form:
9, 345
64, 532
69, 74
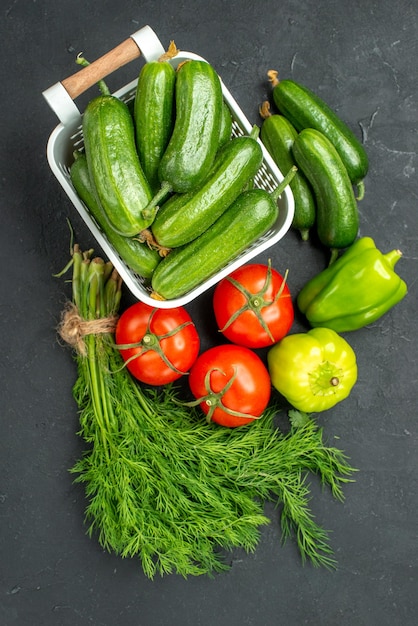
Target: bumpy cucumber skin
337, 218
154, 116
278, 136
122, 188
304, 109
225, 132
185, 216
247, 219
195, 137
138, 256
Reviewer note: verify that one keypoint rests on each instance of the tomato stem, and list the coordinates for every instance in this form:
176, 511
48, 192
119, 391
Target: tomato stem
148, 339
214, 399
152, 341
256, 302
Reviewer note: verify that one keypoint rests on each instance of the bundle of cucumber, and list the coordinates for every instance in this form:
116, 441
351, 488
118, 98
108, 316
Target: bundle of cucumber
169, 184
330, 160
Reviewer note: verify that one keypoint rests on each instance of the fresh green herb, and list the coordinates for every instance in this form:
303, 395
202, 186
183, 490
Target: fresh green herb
298, 418
162, 484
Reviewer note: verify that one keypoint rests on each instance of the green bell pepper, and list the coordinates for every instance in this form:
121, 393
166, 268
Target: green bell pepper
314, 370
356, 290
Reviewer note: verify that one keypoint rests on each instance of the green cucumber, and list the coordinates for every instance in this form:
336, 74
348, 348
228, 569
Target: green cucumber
278, 136
249, 217
184, 217
122, 188
154, 116
138, 256
304, 109
225, 132
195, 137
337, 218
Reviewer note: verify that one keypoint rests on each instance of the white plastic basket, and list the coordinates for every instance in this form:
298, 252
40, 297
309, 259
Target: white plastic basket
68, 136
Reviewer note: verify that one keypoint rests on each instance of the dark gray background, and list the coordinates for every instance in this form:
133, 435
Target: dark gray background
361, 57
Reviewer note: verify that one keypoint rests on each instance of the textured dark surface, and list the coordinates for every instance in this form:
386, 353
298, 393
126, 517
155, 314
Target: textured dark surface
361, 58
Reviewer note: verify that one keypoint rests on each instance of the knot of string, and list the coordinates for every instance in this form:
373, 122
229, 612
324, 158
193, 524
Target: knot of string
73, 328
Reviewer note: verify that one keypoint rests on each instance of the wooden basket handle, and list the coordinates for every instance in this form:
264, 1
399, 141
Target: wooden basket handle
60, 96
85, 78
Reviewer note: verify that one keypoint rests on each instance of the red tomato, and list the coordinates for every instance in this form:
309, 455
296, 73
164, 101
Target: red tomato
165, 342
253, 306
230, 383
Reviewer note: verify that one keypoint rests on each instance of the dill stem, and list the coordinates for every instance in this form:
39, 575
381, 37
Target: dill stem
84, 289
111, 294
76, 290
93, 284
144, 404
96, 309
98, 393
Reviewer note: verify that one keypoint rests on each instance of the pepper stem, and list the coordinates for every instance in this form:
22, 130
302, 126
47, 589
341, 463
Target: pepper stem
325, 378
393, 257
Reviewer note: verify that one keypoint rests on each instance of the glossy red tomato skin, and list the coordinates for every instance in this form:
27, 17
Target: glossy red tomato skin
246, 330
250, 392
181, 349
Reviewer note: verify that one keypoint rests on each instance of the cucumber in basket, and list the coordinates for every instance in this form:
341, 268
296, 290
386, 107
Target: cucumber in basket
196, 134
68, 137
154, 116
122, 188
186, 216
138, 256
249, 217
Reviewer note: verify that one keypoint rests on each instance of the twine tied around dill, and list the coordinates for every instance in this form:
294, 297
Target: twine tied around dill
73, 328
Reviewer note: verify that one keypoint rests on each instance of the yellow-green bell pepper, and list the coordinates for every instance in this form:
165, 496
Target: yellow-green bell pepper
314, 370
355, 290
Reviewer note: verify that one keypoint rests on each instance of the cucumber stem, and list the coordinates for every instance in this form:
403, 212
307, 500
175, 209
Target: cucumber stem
264, 110
171, 52
334, 256
286, 180
255, 131
164, 190
104, 89
152, 207
360, 190
147, 237
273, 76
